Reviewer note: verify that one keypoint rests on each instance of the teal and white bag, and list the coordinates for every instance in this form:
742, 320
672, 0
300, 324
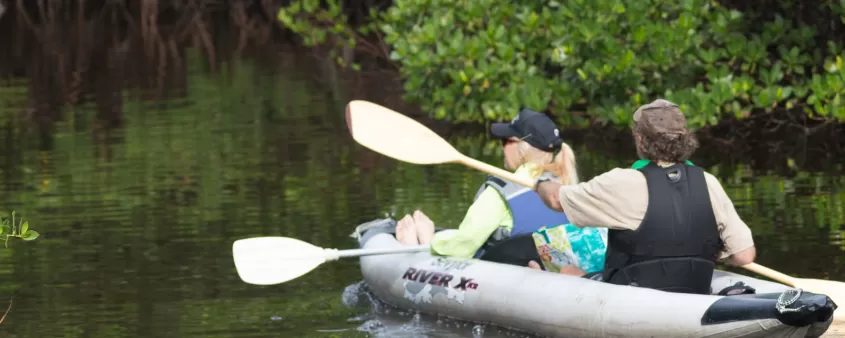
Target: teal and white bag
567, 244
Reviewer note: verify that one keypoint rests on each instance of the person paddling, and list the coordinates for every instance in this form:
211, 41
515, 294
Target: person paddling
669, 220
503, 211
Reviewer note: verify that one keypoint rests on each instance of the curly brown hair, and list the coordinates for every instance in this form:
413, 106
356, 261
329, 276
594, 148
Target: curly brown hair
665, 147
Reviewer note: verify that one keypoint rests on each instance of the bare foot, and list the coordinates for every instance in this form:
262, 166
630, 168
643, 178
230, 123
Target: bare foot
406, 232
572, 270
534, 265
425, 227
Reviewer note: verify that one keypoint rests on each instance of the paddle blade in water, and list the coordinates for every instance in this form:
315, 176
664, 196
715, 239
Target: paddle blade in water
395, 135
274, 260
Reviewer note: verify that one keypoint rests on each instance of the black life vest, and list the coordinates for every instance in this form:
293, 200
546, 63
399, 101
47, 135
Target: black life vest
676, 245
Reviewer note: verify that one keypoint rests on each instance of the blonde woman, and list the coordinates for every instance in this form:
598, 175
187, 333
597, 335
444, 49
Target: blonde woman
499, 223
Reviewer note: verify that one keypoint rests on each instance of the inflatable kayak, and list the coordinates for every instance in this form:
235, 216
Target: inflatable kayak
550, 304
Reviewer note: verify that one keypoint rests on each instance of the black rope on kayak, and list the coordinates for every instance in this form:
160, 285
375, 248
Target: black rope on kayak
782, 304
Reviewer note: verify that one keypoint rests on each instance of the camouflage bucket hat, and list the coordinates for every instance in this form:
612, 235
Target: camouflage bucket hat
660, 117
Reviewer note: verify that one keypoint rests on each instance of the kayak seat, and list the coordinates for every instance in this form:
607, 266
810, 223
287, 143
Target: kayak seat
516, 250
676, 274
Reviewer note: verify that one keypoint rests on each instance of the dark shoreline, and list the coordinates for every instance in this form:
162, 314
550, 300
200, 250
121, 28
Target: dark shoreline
784, 147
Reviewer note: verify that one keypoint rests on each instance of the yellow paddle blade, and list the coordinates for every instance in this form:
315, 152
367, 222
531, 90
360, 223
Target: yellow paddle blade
395, 135
274, 260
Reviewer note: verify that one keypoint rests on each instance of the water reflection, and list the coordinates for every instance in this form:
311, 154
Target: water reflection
382, 320
140, 190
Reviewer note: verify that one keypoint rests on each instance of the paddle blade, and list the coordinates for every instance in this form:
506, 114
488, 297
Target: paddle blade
274, 260
833, 289
395, 135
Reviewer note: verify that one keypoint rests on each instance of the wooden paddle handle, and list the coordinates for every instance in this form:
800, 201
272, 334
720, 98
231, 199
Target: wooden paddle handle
481, 166
778, 276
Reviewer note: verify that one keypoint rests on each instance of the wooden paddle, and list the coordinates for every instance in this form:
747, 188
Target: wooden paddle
274, 260
395, 135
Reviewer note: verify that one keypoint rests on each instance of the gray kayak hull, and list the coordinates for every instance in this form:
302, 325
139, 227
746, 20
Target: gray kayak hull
554, 305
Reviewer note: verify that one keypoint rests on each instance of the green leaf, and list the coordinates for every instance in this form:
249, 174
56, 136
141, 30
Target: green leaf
500, 33
30, 235
619, 8
581, 74
24, 227
6, 229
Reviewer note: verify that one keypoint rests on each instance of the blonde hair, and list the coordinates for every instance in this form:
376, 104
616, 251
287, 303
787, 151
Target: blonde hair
561, 165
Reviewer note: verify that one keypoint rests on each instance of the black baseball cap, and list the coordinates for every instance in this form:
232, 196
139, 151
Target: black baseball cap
535, 128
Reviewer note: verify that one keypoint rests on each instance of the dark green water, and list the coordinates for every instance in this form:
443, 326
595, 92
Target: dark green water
137, 220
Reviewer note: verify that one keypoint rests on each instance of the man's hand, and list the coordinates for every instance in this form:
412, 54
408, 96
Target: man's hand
548, 191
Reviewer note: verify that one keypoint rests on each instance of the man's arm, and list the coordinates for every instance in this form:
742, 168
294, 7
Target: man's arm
549, 193
616, 199
736, 235
743, 257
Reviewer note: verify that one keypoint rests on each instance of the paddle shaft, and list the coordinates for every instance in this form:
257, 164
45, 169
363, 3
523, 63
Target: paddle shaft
370, 252
778, 276
484, 167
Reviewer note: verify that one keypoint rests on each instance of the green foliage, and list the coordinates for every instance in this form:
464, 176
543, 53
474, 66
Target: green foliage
317, 24
475, 60
20, 230
479, 60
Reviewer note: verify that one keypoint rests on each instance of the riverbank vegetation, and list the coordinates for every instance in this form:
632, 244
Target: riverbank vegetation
595, 61
587, 62
63, 57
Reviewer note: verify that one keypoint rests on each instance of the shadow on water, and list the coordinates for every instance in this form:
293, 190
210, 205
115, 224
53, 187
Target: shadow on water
142, 154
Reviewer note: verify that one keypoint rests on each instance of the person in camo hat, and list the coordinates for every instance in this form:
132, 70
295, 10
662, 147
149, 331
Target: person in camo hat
669, 220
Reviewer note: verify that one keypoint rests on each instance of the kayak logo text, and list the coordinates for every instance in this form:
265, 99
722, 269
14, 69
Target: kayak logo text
439, 279
450, 264
421, 286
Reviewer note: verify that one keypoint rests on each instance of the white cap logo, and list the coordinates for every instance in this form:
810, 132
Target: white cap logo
557, 133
